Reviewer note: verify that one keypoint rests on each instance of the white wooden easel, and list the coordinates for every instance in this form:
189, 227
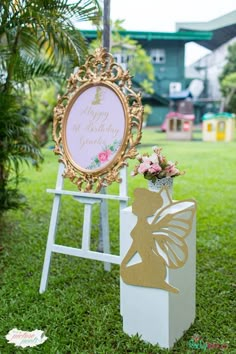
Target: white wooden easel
88, 199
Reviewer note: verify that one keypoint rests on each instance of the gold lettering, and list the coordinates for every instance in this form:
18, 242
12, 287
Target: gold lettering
101, 128
95, 115
97, 122
84, 141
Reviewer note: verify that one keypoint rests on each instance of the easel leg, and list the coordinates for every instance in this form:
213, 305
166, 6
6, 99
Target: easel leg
104, 242
87, 227
50, 242
105, 232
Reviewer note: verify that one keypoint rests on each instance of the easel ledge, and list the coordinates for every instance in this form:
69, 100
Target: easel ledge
88, 195
72, 251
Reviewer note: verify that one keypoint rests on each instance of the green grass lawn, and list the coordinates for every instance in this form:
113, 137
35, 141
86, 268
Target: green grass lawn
80, 310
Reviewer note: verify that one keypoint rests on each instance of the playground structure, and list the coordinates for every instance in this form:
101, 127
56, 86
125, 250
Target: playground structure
179, 126
179, 123
218, 126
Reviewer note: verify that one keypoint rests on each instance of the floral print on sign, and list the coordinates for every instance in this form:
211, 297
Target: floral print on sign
104, 155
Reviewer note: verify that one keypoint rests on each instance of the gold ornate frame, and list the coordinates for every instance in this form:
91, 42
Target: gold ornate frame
100, 69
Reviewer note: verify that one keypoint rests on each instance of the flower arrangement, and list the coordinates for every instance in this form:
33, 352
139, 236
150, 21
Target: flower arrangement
155, 166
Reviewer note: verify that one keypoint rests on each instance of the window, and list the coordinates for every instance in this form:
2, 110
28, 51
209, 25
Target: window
221, 126
209, 127
186, 126
117, 57
179, 125
122, 58
158, 56
171, 125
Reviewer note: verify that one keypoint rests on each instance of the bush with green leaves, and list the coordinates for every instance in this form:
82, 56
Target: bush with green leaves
228, 80
38, 41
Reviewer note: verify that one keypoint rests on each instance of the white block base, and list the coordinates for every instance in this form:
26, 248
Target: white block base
158, 316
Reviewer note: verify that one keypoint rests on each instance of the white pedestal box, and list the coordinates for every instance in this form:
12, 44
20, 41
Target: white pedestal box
158, 316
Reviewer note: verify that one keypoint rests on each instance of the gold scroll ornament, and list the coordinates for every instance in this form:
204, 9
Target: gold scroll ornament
158, 238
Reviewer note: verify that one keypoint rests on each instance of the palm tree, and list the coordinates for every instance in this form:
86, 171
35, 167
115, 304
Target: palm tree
38, 40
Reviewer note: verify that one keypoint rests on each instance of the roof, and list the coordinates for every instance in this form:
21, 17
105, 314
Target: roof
186, 36
154, 97
222, 28
180, 116
182, 95
223, 115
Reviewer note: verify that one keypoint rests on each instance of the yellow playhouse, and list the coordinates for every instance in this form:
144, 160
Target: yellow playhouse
218, 126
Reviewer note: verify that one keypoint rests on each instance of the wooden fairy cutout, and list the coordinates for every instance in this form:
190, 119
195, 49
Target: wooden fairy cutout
158, 239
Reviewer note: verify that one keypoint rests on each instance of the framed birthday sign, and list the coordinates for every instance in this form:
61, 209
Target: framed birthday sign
97, 123
95, 127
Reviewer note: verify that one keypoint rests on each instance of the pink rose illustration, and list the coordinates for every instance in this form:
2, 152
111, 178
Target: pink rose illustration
104, 155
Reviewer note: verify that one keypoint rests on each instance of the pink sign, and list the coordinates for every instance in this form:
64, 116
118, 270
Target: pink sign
95, 127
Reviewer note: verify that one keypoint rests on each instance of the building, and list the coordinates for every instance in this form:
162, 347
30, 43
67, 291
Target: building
209, 67
167, 50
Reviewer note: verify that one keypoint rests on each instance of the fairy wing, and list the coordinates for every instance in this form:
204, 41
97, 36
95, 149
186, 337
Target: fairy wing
170, 226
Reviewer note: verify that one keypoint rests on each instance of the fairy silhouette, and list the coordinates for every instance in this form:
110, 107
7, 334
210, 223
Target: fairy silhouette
98, 96
158, 238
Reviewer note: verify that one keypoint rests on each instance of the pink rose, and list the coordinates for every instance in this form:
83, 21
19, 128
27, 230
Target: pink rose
104, 155
156, 167
109, 152
171, 171
143, 167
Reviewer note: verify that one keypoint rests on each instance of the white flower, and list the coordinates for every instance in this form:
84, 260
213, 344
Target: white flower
146, 159
153, 158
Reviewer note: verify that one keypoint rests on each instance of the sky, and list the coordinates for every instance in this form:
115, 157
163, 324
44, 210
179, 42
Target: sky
162, 15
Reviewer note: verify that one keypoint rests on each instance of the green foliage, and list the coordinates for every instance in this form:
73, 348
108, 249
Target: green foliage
17, 146
230, 66
147, 112
139, 63
228, 80
80, 310
41, 100
37, 42
43, 27
228, 86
